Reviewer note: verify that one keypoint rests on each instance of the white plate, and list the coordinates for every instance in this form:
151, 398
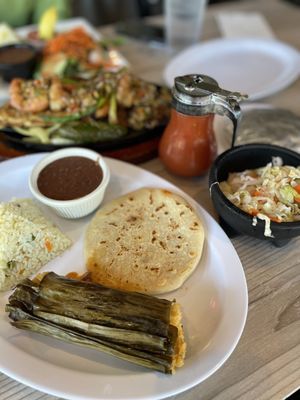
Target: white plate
256, 67
62, 26
214, 303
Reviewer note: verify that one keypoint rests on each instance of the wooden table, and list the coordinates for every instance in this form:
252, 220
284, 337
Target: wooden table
266, 363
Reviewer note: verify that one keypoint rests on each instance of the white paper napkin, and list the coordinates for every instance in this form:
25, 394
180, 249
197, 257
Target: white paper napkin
244, 24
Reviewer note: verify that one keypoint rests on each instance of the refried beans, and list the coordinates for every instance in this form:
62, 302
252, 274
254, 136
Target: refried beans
69, 178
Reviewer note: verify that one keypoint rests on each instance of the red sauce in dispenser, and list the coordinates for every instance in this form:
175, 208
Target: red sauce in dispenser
188, 145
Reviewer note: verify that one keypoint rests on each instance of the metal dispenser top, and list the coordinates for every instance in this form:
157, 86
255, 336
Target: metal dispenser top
201, 95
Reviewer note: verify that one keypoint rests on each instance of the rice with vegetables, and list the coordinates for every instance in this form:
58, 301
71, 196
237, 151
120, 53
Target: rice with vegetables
27, 241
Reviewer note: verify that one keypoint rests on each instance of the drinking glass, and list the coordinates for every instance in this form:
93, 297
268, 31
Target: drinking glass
183, 22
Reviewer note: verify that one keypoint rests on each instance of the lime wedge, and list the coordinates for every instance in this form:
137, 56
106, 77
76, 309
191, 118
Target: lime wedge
46, 26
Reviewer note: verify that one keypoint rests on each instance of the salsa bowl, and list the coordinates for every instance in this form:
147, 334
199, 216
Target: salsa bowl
17, 61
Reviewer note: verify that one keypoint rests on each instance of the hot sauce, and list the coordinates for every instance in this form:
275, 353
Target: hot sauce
188, 145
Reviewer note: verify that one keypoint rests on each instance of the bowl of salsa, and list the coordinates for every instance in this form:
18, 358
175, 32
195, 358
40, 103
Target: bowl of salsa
17, 61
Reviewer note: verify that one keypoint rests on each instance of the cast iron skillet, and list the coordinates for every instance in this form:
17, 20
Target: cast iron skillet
237, 159
17, 141
132, 138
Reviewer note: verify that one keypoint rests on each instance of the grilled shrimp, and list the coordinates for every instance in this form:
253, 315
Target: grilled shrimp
132, 91
29, 96
125, 94
57, 96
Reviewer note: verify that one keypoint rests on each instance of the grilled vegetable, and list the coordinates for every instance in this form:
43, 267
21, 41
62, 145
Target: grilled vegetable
83, 131
74, 116
132, 326
91, 131
37, 133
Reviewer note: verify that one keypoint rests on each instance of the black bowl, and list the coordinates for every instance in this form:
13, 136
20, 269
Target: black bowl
237, 159
17, 61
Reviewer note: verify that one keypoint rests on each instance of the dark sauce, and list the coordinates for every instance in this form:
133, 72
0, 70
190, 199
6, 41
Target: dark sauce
15, 55
69, 178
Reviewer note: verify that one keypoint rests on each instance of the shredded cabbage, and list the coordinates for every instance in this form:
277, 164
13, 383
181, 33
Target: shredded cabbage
271, 193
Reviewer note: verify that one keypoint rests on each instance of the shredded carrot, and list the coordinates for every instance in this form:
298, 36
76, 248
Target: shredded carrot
48, 245
257, 193
297, 188
274, 219
75, 43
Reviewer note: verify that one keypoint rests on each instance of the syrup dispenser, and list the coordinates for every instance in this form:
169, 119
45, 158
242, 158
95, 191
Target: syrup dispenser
188, 145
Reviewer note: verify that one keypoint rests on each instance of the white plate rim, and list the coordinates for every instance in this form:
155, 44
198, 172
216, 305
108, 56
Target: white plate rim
157, 380
289, 75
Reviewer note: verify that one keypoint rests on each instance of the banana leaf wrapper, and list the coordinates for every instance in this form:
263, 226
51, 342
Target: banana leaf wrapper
132, 326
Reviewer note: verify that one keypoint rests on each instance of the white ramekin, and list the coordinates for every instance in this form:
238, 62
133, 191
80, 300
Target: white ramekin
71, 208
